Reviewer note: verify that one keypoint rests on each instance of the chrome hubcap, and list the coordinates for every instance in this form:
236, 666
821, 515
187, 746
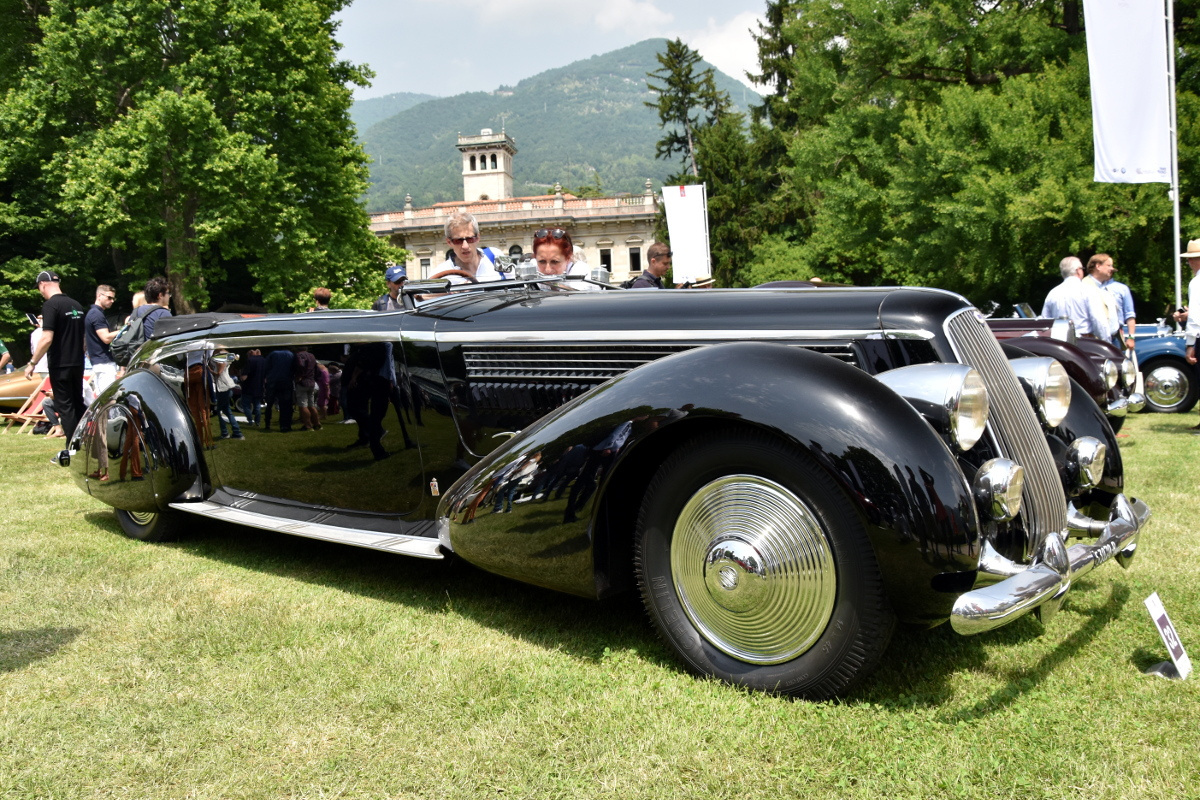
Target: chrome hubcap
1166, 386
753, 569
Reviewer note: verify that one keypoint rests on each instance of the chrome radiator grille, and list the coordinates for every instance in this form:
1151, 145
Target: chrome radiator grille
586, 363
1014, 424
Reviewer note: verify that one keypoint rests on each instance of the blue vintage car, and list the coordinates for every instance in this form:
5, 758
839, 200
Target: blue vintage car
1171, 384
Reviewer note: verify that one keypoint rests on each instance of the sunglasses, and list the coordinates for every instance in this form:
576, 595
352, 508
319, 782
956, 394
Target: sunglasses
463, 239
553, 233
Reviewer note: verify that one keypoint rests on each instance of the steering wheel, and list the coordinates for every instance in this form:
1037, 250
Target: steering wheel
462, 273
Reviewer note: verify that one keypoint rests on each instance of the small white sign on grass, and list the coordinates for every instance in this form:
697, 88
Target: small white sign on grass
1179, 656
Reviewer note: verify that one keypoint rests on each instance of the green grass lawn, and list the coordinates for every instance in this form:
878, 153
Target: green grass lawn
238, 663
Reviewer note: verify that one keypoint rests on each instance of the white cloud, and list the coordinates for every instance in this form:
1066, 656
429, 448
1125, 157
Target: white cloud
629, 16
728, 46
626, 16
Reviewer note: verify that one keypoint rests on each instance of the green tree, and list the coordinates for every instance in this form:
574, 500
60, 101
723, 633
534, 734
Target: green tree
688, 100
947, 144
192, 138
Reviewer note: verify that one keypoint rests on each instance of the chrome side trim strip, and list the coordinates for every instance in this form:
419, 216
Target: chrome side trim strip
416, 546
273, 340
666, 337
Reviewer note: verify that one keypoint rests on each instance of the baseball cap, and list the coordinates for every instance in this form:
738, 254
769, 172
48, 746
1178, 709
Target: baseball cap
396, 273
46, 276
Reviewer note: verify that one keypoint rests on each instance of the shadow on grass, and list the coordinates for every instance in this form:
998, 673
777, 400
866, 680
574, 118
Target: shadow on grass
915, 671
1023, 680
19, 649
919, 662
580, 627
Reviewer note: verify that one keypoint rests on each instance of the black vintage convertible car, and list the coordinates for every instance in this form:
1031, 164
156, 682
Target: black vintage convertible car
781, 473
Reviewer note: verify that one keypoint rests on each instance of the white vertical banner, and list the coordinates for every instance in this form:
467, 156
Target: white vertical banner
1130, 76
687, 224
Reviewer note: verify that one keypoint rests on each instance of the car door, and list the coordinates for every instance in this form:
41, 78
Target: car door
362, 459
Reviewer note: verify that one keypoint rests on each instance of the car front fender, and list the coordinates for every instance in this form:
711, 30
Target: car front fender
907, 487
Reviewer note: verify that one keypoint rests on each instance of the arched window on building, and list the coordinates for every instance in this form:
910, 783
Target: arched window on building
493, 160
472, 163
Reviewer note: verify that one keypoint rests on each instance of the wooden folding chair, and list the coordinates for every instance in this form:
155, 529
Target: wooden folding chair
30, 413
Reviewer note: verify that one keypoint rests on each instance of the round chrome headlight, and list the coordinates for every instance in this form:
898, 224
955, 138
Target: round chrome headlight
969, 410
997, 488
952, 397
1110, 373
1049, 384
1128, 374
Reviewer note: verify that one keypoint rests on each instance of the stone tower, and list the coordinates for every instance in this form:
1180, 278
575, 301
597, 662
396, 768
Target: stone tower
487, 165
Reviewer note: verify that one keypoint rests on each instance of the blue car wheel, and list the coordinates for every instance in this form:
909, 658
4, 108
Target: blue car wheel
1171, 385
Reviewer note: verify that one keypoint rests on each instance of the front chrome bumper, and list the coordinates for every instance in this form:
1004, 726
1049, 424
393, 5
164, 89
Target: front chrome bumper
1043, 584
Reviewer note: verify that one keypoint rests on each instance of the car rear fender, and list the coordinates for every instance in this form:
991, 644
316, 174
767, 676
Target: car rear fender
147, 435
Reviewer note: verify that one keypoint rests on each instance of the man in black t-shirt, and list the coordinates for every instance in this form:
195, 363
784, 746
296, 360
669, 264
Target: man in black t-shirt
62, 339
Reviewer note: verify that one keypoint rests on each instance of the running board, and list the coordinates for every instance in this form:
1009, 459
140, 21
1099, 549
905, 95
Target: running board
417, 546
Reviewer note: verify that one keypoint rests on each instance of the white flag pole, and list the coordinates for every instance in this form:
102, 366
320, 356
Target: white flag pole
1177, 242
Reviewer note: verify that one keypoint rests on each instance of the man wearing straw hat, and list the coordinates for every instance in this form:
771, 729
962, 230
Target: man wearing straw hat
1192, 255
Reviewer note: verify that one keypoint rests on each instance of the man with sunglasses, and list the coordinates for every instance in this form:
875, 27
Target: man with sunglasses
462, 234
97, 334
659, 257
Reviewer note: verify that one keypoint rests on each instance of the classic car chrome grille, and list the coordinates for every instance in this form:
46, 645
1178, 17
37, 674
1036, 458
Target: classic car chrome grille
1014, 424
587, 363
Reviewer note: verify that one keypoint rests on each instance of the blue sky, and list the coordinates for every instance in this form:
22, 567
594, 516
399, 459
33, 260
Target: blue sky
439, 48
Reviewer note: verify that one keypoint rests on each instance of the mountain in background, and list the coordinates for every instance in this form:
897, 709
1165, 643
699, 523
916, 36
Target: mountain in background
572, 125
365, 113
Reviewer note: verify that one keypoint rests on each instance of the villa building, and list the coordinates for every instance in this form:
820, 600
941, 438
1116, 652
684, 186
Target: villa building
612, 232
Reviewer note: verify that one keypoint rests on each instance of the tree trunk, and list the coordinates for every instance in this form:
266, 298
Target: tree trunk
182, 252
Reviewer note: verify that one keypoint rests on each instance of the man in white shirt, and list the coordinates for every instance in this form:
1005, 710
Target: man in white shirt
1069, 301
1100, 269
468, 262
1192, 256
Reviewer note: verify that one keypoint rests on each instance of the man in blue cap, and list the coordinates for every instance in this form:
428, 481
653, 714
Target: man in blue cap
395, 275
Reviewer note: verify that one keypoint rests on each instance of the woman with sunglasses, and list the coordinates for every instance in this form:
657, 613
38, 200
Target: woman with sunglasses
554, 252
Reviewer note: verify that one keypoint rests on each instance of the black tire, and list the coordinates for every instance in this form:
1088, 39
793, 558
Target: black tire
160, 526
1171, 386
719, 584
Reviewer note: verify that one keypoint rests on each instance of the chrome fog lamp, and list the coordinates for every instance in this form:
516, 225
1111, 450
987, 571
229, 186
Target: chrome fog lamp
997, 488
1046, 379
527, 271
1111, 374
1129, 373
952, 397
599, 275
1087, 455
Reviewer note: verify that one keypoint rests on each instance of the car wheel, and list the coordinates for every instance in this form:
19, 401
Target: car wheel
1170, 385
754, 567
149, 526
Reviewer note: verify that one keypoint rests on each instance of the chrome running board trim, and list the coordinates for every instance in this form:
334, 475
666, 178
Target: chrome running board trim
416, 546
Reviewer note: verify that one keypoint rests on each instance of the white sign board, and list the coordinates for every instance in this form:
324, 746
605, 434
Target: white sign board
687, 223
1130, 77
1179, 656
